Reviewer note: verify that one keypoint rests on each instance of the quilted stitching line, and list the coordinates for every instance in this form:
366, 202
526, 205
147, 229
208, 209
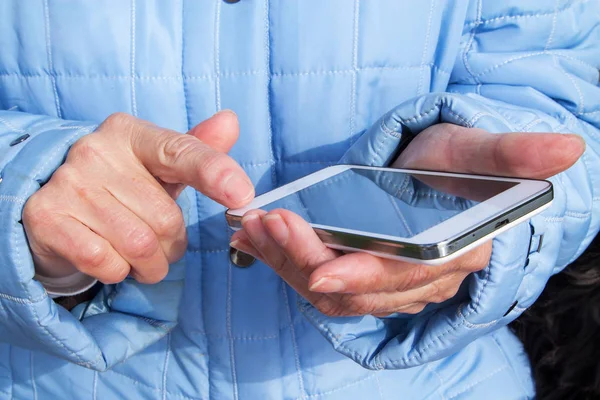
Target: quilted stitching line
32, 376
551, 36
461, 119
508, 61
469, 325
465, 56
328, 392
472, 385
533, 54
530, 125
379, 387
21, 300
425, 49
228, 74
11, 126
95, 386
522, 16
134, 110
217, 55
354, 70
12, 199
437, 374
267, 38
49, 56
165, 368
238, 338
590, 112
578, 215
183, 82
294, 341
497, 343
581, 105
477, 117
154, 389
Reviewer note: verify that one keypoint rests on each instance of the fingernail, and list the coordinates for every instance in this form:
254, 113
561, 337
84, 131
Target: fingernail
277, 228
235, 245
226, 111
248, 217
238, 189
579, 138
328, 285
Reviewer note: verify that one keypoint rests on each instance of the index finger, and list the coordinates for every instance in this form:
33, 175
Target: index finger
184, 159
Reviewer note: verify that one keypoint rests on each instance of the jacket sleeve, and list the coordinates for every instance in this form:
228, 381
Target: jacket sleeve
502, 82
120, 321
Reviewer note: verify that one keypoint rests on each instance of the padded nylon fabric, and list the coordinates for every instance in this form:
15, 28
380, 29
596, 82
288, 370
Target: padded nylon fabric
314, 83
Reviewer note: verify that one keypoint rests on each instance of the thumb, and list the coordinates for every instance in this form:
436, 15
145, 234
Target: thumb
467, 150
220, 131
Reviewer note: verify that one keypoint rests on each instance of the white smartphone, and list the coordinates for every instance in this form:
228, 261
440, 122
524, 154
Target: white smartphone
411, 215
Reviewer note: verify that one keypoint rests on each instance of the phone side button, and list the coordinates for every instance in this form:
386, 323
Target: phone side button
240, 259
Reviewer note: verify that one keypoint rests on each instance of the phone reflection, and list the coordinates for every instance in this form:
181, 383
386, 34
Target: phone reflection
387, 202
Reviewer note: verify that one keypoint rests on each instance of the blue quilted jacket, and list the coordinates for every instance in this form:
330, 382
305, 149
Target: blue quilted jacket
313, 82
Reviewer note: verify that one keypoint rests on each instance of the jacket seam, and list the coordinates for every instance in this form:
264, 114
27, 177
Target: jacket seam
473, 384
531, 15
49, 57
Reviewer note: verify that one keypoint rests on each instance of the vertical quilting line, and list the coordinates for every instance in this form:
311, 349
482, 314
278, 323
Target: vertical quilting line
230, 332
183, 80
465, 56
132, 61
353, 93
553, 29
166, 367
33, 385
217, 55
581, 104
424, 65
268, 69
303, 394
378, 383
439, 377
95, 386
50, 61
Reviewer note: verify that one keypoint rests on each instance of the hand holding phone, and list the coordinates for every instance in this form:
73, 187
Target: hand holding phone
360, 283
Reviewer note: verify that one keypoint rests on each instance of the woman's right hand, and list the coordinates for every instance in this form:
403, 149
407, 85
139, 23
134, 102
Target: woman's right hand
109, 211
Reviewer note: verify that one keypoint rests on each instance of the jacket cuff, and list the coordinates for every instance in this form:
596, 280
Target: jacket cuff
488, 299
121, 320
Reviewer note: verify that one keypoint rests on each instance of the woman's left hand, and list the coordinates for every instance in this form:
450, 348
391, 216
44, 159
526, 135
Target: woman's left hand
339, 284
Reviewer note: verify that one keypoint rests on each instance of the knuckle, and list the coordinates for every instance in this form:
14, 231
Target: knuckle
85, 149
141, 243
328, 307
451, 291
416, 276
118, 120
117, 275
66, 174
37, 212
362, 305
436, 293
218, 162
153, 277
177, 250
414, 309
169, 220
92, 256
176, 147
